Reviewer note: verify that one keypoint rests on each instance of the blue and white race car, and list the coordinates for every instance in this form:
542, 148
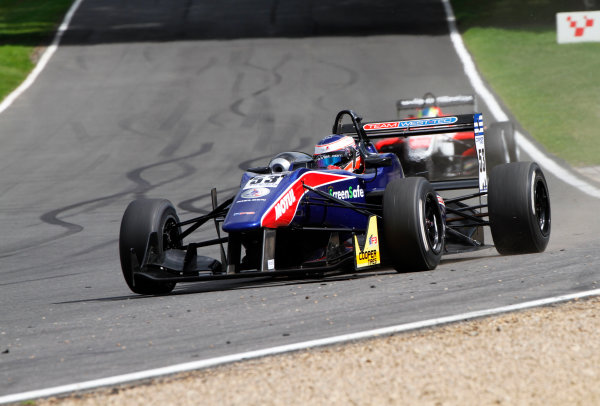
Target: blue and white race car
294, 217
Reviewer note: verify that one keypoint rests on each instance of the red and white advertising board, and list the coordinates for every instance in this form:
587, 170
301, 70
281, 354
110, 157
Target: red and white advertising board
582, 26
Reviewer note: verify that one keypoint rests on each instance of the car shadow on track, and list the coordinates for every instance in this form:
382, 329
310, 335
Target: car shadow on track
256, 283
484, 252
241, 284
290, 280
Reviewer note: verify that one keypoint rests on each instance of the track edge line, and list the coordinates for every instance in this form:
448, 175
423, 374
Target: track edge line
304, 345
567, 175
44, 59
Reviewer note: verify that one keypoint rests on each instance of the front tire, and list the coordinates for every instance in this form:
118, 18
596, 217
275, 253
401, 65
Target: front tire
519, 208
412, 224
141, 219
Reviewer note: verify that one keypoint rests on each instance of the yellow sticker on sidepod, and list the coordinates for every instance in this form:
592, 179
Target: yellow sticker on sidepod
369, 255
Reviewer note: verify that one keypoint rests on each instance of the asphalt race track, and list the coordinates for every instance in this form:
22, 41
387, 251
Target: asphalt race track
170, 98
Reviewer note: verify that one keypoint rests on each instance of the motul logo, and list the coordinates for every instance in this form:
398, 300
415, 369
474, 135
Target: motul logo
578, 27
284, 203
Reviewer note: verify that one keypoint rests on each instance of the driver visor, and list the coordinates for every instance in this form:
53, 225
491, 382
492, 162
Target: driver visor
324, 161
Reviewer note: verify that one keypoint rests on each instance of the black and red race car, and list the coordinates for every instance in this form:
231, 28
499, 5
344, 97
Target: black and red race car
450, 155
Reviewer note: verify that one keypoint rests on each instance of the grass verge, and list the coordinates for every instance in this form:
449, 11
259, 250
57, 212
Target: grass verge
25, 25
553, 90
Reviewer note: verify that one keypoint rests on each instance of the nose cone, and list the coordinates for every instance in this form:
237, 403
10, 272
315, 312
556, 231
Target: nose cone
247, 209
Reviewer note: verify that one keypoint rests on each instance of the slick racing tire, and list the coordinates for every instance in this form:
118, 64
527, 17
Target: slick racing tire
142, 218
519, 208
500, 145
413, 226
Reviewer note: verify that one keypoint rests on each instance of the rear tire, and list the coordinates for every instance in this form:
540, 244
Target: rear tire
142, 218
413, 227
519, 208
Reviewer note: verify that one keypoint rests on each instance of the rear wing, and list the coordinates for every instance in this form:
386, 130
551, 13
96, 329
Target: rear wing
441, 101
426, 126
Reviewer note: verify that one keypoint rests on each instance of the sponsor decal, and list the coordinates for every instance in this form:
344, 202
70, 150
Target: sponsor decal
284, 203
350, 193
369, 255
282, 211
264, 181
381, 126
441, 201
250, 200
411, 123
255, 192
243, 213
583, 26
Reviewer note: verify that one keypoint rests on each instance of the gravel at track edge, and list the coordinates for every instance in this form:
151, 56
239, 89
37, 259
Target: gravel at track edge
548, 355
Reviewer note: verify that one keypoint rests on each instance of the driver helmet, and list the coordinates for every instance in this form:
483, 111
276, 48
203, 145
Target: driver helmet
337, 152
430, 111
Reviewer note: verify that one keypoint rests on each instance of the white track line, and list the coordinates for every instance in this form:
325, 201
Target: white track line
212, 362
530, 148
39, 67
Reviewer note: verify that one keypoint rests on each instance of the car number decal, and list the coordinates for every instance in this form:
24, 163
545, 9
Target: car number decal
480, 145
264, 181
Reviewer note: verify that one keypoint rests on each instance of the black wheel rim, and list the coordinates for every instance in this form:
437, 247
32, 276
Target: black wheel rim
433, 223
170, 235
541, 205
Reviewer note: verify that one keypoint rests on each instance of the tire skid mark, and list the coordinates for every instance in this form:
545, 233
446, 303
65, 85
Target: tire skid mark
180, 134
353, 77
51, 218
143, 186
273, 71
261, 108
249, 163
189, 204
235, 107
96, 247
57, 216
40, 279
175, 123
211, 63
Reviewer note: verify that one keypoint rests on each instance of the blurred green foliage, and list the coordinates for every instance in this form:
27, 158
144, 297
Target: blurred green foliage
25, 25
553, 90
531, 15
